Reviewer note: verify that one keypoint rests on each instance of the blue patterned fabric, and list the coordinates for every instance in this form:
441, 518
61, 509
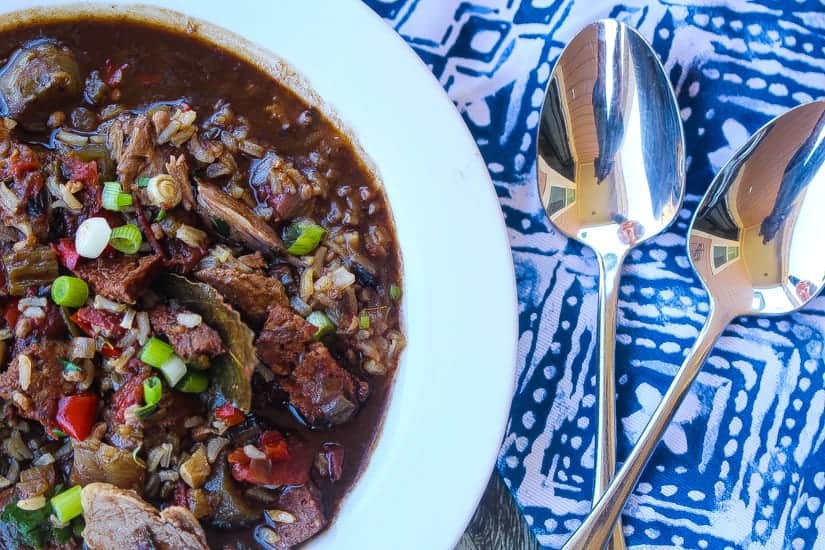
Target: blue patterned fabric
743, 466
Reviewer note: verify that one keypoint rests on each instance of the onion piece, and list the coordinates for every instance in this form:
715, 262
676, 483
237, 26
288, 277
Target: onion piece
108, 305
189, 320
92, 237
83, 348
142, 327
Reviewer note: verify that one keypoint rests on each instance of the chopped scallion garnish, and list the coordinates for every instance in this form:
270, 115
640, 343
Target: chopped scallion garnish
320, 320
67, 505
364, 320
302, 237
146, 411
143, 182
161, 215
156, 352
152, 390
173, 370
126, 238
193, 382
114, 198
69, 291
395, 292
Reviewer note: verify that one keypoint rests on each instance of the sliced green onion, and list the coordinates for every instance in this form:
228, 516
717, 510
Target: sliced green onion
71, 367
67, 504
152, 390
173, 369
143, 181
139, 461
364, 320
146, 411
161, 216
395, 292
303, 237
156, 352
114, 198
193, 382
69, 291
126, 238
58, 433
78, 525
320, 320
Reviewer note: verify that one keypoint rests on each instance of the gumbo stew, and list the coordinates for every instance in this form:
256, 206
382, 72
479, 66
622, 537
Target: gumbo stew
200, 292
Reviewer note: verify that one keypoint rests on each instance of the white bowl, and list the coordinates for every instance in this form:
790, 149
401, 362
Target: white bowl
452, 393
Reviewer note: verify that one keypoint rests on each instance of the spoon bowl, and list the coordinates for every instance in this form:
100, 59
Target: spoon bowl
611, 173
754, 238
611, 162
755, 243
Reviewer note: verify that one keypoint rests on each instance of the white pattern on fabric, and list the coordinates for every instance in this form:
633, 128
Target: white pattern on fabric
743, 466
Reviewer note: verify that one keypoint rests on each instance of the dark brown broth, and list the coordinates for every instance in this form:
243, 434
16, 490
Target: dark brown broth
164, 66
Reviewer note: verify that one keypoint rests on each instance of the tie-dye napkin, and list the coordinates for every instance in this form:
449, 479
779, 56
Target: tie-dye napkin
743, 465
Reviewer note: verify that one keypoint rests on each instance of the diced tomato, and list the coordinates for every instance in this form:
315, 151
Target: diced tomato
82, 324
76, 414
229, 415
66, 253
101, 322
293, 470
128, 394
274, 446
79, 170
113, 74
238, 456
109, 351
11, 313
22, 160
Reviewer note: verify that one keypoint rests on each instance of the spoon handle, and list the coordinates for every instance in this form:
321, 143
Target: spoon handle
594, 533
609, 275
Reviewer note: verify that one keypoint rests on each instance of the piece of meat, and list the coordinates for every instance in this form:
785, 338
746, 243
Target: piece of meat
305, 505
39, 78
252, 293
104, 323
122, 278
285, 336
180, 257
116, 518
194, 345
242, 222
46, 387
323, 392
137, 151
282, 186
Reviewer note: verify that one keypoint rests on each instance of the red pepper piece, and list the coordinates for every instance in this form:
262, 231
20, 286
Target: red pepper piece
229, 414
11, 313
82, 171
76, 414
128, 394
66, 253
292, 471
274, 446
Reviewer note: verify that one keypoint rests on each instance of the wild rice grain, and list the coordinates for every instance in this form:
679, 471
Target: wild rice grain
24, 368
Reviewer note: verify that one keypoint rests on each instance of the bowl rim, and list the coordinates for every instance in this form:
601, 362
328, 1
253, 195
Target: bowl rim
465, 167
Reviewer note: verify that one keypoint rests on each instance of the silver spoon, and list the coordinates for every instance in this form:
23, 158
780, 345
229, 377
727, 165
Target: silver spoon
611, 174
755, 242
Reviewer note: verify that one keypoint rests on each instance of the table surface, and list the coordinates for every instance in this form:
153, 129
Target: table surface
497, 523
